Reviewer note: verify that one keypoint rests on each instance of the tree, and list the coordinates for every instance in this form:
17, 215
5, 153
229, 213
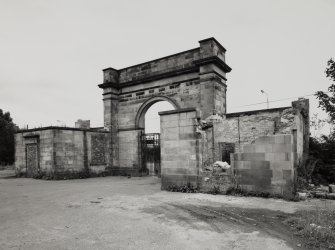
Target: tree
327, 102
322, 150
7, 144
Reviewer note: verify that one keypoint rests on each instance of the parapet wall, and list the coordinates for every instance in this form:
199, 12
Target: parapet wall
180, 61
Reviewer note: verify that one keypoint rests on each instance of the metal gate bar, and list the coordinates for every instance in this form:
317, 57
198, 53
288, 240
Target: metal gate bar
151, 155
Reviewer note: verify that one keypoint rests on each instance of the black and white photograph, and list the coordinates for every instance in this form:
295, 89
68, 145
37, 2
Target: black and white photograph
167, 124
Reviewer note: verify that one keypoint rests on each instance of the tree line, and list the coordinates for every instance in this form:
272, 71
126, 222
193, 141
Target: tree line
7, 141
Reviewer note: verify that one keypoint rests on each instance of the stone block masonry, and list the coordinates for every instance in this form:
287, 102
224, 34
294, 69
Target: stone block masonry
61, 152
179, 148
195, 78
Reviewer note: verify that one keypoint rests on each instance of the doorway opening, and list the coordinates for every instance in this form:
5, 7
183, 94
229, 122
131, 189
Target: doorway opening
150, 138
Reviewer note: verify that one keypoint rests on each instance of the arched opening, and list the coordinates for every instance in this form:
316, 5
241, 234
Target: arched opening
140, 117
148, 121
151, 117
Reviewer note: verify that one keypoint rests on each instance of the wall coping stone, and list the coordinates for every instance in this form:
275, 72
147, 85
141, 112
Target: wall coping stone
60, 128
253, 112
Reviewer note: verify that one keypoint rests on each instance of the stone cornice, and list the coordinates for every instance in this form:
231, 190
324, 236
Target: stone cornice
58, 128
213, 39
108, 85
151, 78
216, 60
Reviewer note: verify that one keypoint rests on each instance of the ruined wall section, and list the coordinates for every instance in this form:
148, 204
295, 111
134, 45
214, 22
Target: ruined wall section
269, 146
243, 128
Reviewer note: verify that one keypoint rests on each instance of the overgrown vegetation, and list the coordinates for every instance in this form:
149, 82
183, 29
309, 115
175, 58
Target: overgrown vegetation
237, 191
215, 190
320, 165
322, 152
187, 188
317, 227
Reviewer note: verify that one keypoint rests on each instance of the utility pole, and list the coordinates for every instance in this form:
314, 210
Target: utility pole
267, 98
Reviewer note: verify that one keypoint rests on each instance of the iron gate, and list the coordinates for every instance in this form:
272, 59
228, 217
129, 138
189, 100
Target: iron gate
151, 153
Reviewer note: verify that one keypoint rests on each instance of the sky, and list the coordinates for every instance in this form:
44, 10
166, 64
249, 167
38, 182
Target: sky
52, 52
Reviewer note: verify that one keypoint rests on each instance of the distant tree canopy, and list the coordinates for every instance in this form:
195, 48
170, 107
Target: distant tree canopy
327, 102
7, 145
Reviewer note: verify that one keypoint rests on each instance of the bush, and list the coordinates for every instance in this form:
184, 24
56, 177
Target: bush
323, 151
241, 192
187, 188
215, 190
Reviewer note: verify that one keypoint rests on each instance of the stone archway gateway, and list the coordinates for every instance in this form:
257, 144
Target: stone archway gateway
194, 78
264, 147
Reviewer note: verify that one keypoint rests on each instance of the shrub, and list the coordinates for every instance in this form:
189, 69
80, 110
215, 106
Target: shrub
187, 188
215, 190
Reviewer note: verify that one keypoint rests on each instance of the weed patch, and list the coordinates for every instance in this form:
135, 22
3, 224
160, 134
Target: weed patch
187, 188
317, 227
241, 192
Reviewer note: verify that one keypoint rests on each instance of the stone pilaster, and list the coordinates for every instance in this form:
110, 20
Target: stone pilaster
111, 101
212, 74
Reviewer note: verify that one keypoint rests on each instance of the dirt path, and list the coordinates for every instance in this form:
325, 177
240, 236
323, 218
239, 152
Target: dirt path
121, 213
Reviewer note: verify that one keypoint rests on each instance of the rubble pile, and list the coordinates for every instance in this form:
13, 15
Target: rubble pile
321, 192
